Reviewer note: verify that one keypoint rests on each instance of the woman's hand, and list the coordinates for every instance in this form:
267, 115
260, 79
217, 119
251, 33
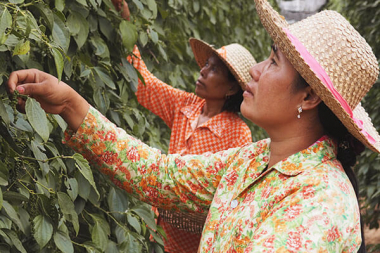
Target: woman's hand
55, 97
123, 6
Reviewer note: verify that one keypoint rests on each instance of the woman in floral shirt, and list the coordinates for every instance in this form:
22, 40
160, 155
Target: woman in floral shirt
294, 192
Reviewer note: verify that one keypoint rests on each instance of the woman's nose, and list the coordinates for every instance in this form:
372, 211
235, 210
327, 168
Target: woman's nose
203, 71
255, 71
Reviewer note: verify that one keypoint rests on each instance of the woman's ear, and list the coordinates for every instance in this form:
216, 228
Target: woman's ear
311, 99
235, 87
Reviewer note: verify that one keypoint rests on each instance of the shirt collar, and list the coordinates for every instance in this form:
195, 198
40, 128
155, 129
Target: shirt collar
215, 124
323, 149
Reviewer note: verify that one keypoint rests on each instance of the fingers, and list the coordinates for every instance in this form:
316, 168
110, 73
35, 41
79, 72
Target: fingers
30, 82
125, 11
117, 4
21, 77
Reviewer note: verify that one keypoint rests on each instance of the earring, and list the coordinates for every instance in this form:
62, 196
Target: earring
227, 96
299, 112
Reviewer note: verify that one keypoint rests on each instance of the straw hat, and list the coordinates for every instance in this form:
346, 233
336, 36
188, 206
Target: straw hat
335, 61
236, 57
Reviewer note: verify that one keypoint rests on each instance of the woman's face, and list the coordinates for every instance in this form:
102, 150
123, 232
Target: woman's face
270, 100
214, 82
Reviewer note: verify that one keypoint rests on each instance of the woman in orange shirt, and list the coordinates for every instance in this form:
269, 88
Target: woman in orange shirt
206, 121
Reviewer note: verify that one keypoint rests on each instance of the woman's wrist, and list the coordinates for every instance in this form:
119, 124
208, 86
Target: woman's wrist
76, 109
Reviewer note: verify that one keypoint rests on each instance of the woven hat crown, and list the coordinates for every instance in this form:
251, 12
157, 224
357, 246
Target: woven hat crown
342, 52
236, 57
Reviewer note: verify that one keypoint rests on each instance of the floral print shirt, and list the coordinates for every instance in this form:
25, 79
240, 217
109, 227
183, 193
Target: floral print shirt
304, 203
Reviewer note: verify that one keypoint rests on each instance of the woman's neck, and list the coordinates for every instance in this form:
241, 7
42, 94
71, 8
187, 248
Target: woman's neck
284, 145
209, 110
212, 108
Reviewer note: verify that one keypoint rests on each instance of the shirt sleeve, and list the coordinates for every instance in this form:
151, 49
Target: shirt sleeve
168, 181
314, 218
155, 95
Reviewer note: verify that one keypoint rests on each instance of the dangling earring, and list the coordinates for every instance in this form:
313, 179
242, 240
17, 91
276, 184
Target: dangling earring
227, 96
299, 112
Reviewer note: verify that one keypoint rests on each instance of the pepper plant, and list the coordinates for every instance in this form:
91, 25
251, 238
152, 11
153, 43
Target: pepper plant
51, 199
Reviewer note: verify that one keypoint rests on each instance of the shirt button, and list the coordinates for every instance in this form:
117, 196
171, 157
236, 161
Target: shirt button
234, 203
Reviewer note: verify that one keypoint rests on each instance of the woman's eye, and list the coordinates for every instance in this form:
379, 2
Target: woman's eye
273, 61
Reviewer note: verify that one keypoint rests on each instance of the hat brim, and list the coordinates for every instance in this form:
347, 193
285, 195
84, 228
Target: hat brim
202, 51
274, 24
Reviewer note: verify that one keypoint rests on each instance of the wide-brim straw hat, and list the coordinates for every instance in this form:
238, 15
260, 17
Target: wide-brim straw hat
342, 67
236, 57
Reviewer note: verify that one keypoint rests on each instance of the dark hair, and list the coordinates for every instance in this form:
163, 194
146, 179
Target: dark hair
348, 146
233, 102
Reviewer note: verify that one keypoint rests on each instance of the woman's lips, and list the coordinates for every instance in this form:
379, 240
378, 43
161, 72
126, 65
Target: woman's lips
247, 92
199, 83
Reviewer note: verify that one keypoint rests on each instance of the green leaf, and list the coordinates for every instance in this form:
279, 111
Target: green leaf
101, 100
153, 34
156, 237
112, 247
134, 222
37, 118
16, 1
68, 209
14, 197
118, 203
23, 125
3, 113
196, 6
105, 77
63, 242
43, 230
85, 187
5, 22
85, 170
58, 59
72, 188
10, 211
146, 214
22, 48
163, 53
98, 218
139, 5
131, 244
132, 73
16, 242
73, 22
79, 27
60, 5
153, 7
1, 199
61, 34
107, 28
35, 147
99, 236
62, 124
143, 37
46, 13
100, 47
128, 34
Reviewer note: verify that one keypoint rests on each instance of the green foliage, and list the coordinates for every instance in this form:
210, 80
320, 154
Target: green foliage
50, 199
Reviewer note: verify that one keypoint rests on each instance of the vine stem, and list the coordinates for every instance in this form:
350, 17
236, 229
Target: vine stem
45, 160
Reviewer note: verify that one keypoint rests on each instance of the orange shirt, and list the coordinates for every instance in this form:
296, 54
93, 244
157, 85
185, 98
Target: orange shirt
180, 110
